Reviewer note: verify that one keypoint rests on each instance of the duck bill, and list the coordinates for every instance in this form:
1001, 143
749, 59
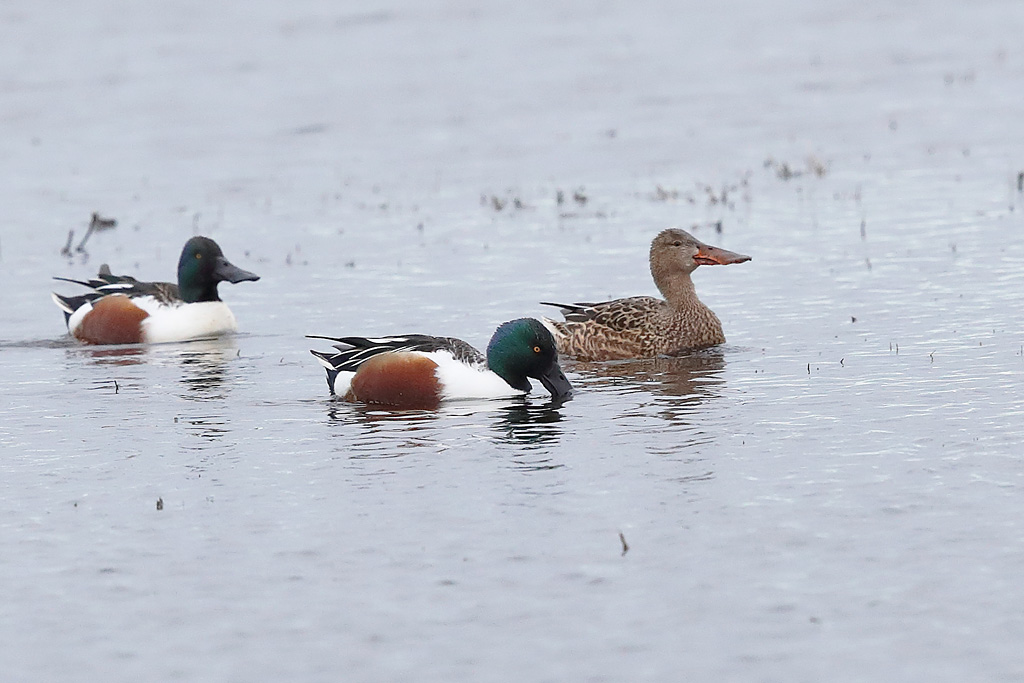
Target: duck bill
555, 382
716, 256
226, 271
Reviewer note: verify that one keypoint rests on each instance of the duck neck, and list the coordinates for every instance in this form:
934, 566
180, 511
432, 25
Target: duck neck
516, 380
678, 289
192, 293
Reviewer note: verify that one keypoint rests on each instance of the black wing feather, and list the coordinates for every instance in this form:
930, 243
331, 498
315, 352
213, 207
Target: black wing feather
578, 312
107, 283
354, 351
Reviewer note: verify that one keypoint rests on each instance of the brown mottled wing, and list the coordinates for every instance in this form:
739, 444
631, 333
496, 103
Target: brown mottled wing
164, 291
622, 315
609, 330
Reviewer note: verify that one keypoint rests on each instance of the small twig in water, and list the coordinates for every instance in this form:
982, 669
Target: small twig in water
117, 388
625, 546
159, 503
96, 224
66, 251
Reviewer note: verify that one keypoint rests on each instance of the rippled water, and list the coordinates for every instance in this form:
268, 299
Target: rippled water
835, 494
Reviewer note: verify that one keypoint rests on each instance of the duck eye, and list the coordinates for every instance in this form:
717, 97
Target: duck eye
199, 255
677, 243
536, 349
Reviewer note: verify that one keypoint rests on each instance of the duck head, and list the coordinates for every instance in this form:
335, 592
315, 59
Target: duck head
202, 267
523, 348
676, 250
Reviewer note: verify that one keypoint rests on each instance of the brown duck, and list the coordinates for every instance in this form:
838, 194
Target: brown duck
644, 326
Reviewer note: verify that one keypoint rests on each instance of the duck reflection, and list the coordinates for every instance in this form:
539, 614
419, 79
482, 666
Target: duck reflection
528, 424
119, 365
692, 375
377, 417
204, 379
204, 368
383, 433
134, 354
681, 384
386, 433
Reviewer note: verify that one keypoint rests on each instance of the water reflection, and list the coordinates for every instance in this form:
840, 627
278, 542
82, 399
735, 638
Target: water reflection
204, 368
534, 429
674, 389
376, 417
204, 379
691, 376
380, 433
530, 425
383, 433
111, 355
209, 428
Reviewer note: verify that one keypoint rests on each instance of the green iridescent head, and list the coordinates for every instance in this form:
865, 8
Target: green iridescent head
202, 266
524, 348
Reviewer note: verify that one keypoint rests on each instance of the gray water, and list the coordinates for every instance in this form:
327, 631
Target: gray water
835, 494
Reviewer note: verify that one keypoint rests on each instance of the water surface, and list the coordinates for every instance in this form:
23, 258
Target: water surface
834, 494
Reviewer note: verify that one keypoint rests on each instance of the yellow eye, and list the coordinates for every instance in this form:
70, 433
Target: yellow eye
199, 256
536, 349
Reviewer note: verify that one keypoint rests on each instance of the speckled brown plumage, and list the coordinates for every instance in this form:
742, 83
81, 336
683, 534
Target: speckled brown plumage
643, 326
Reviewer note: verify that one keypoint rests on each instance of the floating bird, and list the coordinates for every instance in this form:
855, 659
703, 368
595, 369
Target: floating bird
123, 310
644, 326
417, 371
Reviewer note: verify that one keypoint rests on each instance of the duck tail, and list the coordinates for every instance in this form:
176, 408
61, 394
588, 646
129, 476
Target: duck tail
69, 304
324, 358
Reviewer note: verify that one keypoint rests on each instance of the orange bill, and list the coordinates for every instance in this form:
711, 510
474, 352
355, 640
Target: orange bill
716, 256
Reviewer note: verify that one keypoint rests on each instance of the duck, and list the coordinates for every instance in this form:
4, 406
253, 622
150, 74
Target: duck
123, 310
419, 372
645, 326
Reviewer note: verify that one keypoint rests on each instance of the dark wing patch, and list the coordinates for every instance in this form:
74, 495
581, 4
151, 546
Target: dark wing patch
575, 313
354, 351
107, 283
166, 292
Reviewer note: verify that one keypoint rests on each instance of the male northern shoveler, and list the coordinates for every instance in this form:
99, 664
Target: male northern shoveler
417, 371
643, 326
122, 310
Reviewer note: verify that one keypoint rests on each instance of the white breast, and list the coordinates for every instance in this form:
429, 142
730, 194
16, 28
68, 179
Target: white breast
184, 322
459, 380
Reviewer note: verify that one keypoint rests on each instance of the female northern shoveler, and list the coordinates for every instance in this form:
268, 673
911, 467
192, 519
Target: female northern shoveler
643, 326
122, 310
417, 371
